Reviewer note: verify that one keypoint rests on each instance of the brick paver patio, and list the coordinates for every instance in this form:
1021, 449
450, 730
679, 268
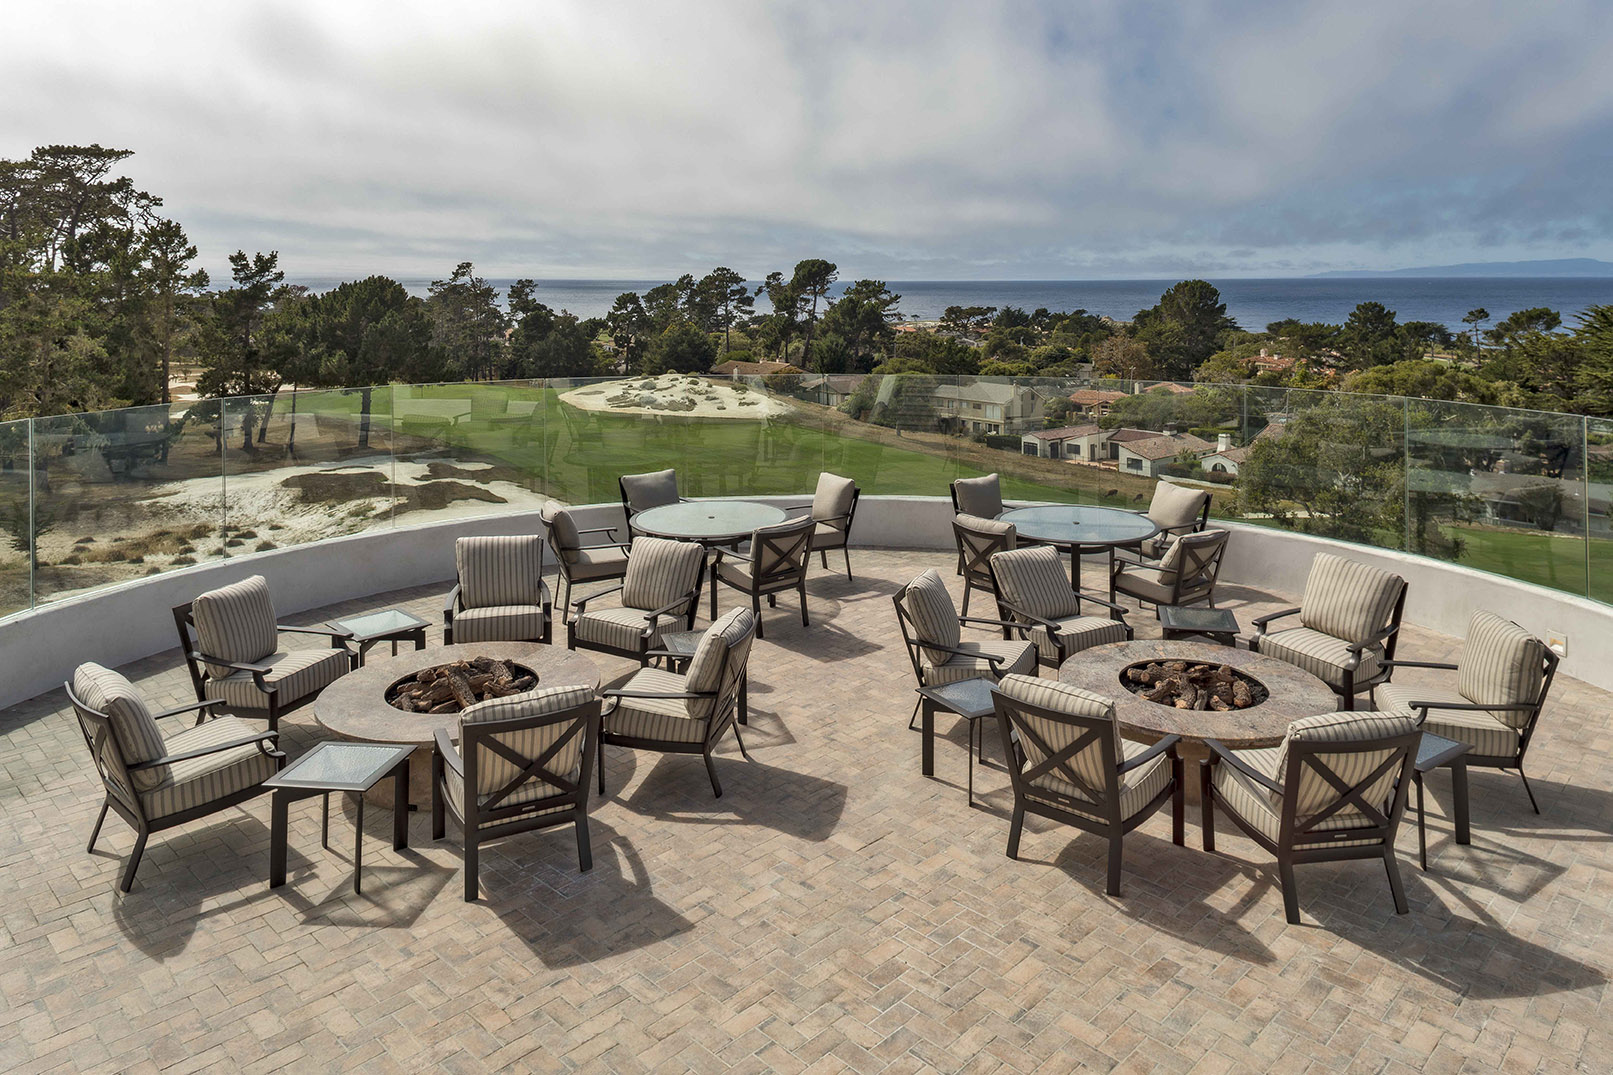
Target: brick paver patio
834, 910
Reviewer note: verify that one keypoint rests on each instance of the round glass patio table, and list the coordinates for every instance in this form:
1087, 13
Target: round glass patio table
1081, 528
709, 522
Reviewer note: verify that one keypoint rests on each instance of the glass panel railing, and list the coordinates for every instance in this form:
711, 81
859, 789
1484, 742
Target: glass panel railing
462, 450
17, 536
1598, 497
123, 494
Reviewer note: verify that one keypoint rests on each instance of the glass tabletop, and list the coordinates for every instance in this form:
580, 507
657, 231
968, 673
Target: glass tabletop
1435, 750
681, 642
965, 697
375, 624
1080, 524
340, 766
701, 520
1196, 618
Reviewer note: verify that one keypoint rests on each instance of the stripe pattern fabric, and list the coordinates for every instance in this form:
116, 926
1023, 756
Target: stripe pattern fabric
133, 726
979, 496
1089, 763
620, 628
1346, 599
1076, 634
719, 659
660, 571
1483, 733
493, 770
1502, 664
499, 623
934, 617
296, 674
499, 571
663, 719
1316, 793
1034, 581
1322, 655
199, 781
972, 663
1263, 810
235, 623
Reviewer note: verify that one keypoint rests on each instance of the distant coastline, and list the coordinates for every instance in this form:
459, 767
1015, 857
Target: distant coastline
1552, 269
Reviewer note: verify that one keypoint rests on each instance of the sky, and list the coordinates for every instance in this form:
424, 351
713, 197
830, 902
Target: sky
904, 141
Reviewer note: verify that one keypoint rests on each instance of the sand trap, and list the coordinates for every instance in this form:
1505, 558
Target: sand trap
677, 394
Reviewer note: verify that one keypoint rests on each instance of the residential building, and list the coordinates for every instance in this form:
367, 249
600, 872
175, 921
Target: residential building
1095, 402
986, 407
1152, 455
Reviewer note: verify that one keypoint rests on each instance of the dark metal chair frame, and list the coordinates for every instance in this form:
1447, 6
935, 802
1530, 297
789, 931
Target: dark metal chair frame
1388, 636
723, 717
1104, 801
1192, 569
1197, 526
1299, 844
627, 508
975, 550
452, 604
197, 662
911, 640
482, 822
1030, 621
124, 800
1525, 735
841, 523
642, 654
793, 550
564, 568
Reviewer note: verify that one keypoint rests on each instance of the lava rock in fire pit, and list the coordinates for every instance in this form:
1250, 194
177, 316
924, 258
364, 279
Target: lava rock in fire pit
449, 688
1194, 685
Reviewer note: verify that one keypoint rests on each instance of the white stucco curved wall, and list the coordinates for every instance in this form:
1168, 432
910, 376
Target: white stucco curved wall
39, 649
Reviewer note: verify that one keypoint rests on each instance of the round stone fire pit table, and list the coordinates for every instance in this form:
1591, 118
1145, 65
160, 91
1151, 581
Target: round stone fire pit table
355, 706
1292, 693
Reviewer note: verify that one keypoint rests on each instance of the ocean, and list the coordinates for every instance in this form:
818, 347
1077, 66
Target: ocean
1253, 303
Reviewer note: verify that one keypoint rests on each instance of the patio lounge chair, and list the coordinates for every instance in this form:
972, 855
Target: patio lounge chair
777, 562
1068, 762
981, 496
579, 562
1350, 622
1335, 789
500, 595
660, 588
978, 539
519, 763
641, 492
684, 714
1501, 685
230, 641
1176, 510
1034, 593
1185, 575
155, 781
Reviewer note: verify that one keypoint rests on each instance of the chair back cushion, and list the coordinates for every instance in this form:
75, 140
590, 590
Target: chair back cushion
933, 615
719, 660
781, 550
1502, 665
133, 726
1315, 793
979, 496
563, 533
645, 491
493, 770
1034, 580
1088, 763
504, 570
659, 571
235, 623
979, 537
1194, 553
833, 498
1348, 600
1176, 506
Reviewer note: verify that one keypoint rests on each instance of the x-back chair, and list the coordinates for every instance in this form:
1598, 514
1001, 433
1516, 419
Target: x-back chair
777, 562
1185, 575
978, 539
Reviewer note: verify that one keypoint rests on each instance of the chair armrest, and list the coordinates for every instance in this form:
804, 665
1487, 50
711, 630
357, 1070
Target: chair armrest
1219, 753
991, 622
1376, 637
667, 608
1470, 707
1034, 620
1165, 745
238, 666
450, 603
1261, 621
1105, 602
733, 554
990, 658
209, 704
449, 752
578, 604
658, 694
201, 752
597, 530
799, 507
1417, 664
324, 629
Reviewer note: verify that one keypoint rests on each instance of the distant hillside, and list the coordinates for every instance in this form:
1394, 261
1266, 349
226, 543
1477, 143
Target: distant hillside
1585, 267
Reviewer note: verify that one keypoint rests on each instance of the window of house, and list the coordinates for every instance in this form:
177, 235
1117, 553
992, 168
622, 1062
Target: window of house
1134, 463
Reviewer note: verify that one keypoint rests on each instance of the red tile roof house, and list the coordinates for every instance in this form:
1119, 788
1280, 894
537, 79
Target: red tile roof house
1151, 455
1094, 402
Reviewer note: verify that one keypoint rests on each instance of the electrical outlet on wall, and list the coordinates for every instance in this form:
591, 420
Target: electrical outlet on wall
1557, 642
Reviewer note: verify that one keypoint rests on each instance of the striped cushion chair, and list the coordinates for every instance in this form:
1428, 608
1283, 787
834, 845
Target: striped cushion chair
1185, 575
1501, 685
688, 713
1068, 762
932, 631
500, 595
1334, 789
1349, 624
230, 641
660, 589
155, 781
528, 758
1035, 594
581, 561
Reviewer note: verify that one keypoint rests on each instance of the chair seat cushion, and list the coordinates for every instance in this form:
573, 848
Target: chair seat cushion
1075, 634
1323, 656
1158, 586
735, 573
1483, 732
1021, 658
199, 781
1262, 808
601, 562
1137, 788
499, 623
296, 675
662, 719
619, 628
825, 536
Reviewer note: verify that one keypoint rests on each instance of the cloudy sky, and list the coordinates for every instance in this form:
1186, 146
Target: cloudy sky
906, 141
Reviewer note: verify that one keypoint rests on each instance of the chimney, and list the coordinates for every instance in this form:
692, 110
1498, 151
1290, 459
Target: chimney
1223, 442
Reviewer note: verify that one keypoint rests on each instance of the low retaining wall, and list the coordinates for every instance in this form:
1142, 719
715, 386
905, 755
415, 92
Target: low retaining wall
123, 623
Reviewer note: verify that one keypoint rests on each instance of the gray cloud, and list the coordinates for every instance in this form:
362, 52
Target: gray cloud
899, 139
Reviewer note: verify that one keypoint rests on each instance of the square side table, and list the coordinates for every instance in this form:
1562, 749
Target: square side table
337, 765
389, 625
1185, 621
968, 698
1437, 752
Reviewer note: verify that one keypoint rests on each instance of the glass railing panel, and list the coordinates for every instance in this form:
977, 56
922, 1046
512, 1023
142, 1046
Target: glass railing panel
1598, 498
469, 449
304, 466
16, 518
122, 494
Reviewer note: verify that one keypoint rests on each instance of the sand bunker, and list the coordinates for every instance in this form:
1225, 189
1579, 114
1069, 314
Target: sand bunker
677, 394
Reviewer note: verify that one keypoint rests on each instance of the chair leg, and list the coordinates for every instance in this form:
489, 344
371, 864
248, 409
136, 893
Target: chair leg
711, 771
967, 589
96, 832
823, 555
756, 610
1285, 872
601, 765
472, 868
1392, 868
1178, 803
439, 815
847, 550
1422, 826
1527, 789
1206, 807
1014, 828
585, 851
801, 589
134, 861
741, 743
1115, 850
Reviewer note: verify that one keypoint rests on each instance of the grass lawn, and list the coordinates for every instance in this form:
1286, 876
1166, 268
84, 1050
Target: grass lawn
1555, 560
